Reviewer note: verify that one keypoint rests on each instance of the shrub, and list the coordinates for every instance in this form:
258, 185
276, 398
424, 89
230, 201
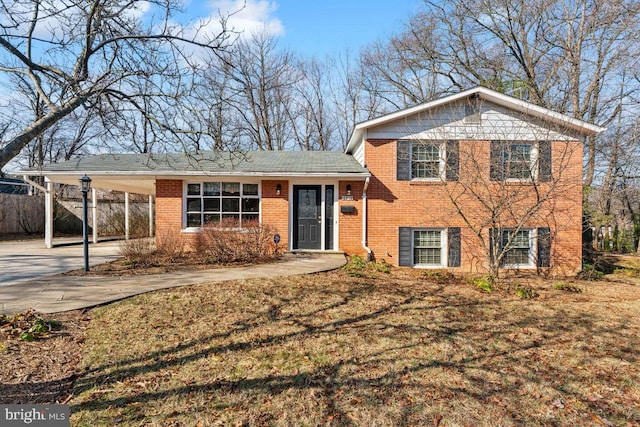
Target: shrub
382, 266
589, 272
359, 267
136, 250
225, 243
27, 326
484, 283
170, 245
525, 292
566, 287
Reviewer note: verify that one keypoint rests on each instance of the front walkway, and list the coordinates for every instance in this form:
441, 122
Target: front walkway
53, 294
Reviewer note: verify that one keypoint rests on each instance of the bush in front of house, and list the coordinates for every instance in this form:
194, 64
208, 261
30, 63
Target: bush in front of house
226, 243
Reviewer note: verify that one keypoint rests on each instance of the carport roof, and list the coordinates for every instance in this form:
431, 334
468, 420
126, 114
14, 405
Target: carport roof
137, 172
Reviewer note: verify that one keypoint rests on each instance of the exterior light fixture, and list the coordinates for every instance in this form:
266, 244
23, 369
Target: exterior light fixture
348, 189
278, 189
85, 186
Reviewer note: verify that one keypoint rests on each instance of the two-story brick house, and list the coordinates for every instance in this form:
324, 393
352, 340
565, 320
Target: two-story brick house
474, 177
445, 184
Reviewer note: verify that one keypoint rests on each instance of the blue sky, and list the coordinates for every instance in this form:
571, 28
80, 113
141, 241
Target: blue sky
315, 27
328, 26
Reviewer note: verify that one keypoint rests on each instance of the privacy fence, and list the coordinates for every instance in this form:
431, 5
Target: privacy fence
24, 214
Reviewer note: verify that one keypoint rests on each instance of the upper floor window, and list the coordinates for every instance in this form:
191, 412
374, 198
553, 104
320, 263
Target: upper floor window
520, 161
212, 203
427, 160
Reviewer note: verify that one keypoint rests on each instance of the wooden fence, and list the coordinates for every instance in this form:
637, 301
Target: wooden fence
21, 213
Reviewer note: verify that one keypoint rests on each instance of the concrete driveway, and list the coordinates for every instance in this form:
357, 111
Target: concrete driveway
28, 260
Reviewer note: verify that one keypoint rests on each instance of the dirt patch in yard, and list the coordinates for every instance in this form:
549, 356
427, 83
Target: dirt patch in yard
42, 370
350, 347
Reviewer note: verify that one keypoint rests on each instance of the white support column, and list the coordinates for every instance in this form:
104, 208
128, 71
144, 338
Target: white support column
48, 213
126, 215
150, 215
94, 214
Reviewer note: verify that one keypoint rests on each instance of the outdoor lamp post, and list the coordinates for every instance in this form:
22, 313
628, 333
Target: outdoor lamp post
85, 185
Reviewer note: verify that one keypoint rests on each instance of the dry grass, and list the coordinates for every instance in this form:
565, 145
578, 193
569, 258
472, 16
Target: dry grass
333, 349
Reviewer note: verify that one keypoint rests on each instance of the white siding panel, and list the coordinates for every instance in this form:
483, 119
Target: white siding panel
358, 153
448, 122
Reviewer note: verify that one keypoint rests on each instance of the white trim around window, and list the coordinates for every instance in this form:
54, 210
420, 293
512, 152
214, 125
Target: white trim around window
421, 160
429, 247
524, 246
531, 164
214, 202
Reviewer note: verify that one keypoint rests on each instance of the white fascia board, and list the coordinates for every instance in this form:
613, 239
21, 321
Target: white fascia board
540, 112
160, 174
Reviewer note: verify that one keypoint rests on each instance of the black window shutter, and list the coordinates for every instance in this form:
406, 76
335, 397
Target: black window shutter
453, 160
405, 247
455, 246
544, 161
544, 247
403, 161
496, 172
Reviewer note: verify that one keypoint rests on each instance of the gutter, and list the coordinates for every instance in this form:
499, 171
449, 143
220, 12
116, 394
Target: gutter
36, 185
160, 173
364, 220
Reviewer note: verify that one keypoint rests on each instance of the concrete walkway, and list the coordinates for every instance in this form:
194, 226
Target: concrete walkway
28, 260
52, 294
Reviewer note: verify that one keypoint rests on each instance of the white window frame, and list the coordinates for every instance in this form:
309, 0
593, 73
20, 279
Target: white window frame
533, 161
241, 196
533, 247
442, 160
443, 248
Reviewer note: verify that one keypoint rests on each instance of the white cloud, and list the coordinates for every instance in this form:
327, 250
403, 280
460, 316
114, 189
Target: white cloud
248, 16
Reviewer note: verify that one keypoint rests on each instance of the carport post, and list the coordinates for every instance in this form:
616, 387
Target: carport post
94, 214
126, 215
48, 214
150, 215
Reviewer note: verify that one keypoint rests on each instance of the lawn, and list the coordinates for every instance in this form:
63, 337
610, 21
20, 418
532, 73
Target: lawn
405, 348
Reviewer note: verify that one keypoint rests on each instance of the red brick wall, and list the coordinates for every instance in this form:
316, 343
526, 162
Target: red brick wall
393, 204
350, 225
275, 209
169, 212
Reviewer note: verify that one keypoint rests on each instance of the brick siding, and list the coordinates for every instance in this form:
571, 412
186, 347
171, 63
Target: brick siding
393, 204
275, 209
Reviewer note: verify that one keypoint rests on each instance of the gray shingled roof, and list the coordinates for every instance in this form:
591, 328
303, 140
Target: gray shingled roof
250, 163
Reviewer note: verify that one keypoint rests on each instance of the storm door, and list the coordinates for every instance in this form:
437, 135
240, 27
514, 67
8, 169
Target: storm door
307, 217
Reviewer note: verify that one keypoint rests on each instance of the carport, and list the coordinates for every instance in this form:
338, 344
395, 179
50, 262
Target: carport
100, 179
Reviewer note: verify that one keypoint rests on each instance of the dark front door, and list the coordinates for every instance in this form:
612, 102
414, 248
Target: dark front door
307, 219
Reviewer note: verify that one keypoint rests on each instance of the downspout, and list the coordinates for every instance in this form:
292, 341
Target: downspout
364, 219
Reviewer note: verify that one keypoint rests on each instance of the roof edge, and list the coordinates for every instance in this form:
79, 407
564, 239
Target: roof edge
488, 94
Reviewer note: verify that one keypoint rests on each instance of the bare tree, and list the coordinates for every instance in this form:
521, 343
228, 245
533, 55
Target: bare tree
351, 102
407, 69
261, 80
310, 114
509, 187
90, 54
569, 56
